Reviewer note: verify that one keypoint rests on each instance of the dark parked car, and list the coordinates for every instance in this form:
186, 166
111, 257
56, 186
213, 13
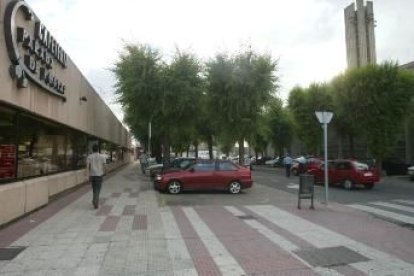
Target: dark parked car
394, 166
205, 175
347, 173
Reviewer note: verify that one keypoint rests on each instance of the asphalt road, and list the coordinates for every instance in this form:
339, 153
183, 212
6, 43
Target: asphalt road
389, 188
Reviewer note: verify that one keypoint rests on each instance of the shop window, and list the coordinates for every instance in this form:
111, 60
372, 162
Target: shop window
8, 160
76, 150
41, 147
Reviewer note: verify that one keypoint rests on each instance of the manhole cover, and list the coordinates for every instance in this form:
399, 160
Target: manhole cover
331, 256
9, 253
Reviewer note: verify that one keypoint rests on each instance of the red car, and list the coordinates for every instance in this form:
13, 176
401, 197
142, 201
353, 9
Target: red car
311, 163
206, 175
347, 173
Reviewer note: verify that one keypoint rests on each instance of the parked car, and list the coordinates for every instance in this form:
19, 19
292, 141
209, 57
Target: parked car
179, 163
310, 163
347, 173
394, 166
410, 171
262, 160
275, 162
205, 175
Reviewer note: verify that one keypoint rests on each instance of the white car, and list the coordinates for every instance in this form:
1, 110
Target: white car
410, 171
272, 162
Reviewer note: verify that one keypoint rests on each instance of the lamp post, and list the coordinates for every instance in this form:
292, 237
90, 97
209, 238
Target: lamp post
325, 117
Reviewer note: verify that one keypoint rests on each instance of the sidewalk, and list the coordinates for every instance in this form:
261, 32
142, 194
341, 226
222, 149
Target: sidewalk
132, 234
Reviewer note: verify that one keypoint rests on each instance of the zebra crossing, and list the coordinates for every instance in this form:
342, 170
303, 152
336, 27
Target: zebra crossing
399, 211
285, 236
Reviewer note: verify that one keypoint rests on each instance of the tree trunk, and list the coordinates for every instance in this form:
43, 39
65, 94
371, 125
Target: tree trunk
241, 151
196, 149
210, 146
166, 151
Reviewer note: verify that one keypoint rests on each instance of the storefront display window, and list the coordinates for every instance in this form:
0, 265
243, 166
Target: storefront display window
41, 147
8, 160
76, 150
31, 146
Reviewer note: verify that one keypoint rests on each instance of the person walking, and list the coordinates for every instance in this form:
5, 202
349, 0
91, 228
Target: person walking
287, 161
143, 160
96, 168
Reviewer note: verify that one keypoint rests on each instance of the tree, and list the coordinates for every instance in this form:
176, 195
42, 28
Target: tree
238, 88
375, 100
152, 91
280, 126
182, 90
302, 104
139, 88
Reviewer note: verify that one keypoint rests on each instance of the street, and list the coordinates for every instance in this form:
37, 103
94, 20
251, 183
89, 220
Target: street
391, 199
140, 231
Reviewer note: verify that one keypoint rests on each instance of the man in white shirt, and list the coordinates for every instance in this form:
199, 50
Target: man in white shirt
96, 168
287, 161
143, 160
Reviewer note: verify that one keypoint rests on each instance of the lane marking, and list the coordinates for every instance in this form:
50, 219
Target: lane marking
411, 202
321, 237
387, 214
394, 206
224, 260
282, 242
176, 245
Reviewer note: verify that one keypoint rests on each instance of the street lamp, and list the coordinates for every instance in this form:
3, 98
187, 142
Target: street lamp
325, 117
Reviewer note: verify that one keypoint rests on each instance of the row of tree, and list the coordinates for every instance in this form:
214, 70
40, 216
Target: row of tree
233, 98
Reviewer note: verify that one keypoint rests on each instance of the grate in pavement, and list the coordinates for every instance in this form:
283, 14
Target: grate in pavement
331, 256
246, 217
9, 253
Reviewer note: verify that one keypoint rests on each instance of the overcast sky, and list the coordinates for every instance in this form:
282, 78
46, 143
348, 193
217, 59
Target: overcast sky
307, 36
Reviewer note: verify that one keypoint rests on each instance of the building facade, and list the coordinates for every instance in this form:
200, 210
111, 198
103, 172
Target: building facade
50, 116
359, 34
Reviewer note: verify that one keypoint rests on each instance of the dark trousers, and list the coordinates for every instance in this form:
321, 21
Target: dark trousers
287, 166
96, 182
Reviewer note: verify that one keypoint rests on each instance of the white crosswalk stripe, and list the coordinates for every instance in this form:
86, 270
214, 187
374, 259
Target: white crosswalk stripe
410, 202
176, 245
383, 213
280, 241
224, 260
394, 206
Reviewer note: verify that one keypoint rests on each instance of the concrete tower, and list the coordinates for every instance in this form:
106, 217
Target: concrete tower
359, 34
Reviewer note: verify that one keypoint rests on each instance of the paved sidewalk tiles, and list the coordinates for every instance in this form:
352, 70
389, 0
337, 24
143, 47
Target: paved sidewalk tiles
132, 235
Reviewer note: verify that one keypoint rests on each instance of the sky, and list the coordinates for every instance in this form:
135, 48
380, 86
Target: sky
306, 36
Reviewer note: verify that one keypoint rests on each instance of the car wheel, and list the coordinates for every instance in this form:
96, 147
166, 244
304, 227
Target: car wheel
348, 184
234, 187
369, 186
174, 187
